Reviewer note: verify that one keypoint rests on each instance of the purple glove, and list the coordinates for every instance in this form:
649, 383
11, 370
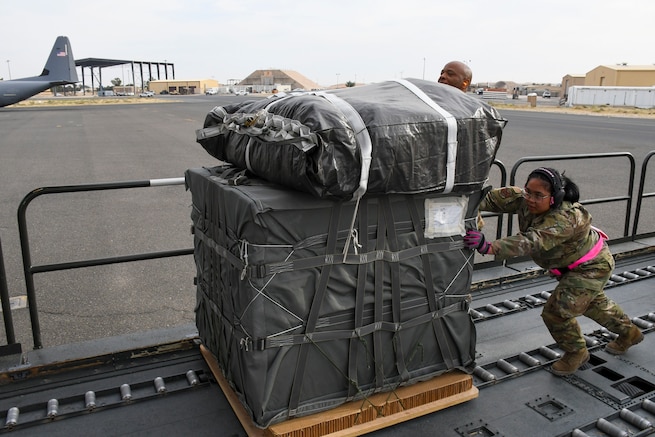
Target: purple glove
475, 240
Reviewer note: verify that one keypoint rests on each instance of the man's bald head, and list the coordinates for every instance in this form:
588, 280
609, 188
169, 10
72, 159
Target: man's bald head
456, 74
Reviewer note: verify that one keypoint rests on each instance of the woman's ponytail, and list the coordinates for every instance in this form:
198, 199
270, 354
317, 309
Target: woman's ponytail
571, 190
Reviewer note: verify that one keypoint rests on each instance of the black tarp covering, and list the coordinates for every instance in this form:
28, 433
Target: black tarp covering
318, 142
296, 326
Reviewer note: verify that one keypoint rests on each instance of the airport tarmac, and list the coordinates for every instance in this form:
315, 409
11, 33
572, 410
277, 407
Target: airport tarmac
89, 144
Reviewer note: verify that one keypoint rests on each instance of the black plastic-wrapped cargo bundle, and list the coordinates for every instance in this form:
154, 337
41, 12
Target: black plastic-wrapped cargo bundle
308, 303
404, 136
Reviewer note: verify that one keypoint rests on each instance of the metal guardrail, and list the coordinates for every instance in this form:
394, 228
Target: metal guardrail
627, 198
6, 305
29, 269
641, 195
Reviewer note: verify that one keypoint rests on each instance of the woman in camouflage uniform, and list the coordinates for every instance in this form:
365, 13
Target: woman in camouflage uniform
556, 231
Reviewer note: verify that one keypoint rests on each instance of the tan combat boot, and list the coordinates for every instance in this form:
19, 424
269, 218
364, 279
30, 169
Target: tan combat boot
570, 362
624, 341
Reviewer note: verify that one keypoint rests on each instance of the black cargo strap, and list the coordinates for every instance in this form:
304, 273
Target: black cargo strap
278, 341
360, 292
222, 240
219, 250
427, 268
232, 176
395, 288
263, 270
378, 301
314, 312
213, 307
437, 325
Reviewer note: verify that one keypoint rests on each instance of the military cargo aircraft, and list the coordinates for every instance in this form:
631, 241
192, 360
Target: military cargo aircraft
58, 70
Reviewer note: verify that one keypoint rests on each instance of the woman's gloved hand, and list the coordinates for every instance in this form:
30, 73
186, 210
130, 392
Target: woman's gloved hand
475, 240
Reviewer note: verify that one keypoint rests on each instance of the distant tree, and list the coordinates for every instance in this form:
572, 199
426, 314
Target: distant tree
350, 84
501, 84
116, 81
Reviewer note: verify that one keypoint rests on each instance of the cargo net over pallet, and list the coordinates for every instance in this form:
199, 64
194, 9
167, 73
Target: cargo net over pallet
309, 303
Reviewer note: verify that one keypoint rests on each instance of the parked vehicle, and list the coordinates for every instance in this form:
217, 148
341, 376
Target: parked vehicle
546, 94
147, 94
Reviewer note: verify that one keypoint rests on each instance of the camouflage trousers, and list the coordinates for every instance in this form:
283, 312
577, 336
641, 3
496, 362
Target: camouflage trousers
580, 292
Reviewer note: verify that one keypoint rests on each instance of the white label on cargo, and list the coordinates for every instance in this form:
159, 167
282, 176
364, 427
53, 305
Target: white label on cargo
445, 216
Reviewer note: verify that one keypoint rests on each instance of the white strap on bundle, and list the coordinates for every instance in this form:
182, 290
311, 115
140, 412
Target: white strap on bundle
366, 150
452, 131
361, 134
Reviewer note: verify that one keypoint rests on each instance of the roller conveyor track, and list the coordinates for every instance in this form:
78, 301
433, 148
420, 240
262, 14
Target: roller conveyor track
529, 301
518, 395
165, 390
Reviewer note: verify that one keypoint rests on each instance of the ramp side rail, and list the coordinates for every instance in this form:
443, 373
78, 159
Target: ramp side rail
641, 195
6, 305
612, 155
30, 270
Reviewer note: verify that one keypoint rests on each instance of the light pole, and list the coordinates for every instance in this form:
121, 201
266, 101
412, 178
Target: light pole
423, 68
9, 69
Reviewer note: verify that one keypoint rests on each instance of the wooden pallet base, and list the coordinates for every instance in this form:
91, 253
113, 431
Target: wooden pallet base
359, 417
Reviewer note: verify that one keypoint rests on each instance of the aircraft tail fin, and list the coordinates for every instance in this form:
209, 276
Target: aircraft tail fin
60, 66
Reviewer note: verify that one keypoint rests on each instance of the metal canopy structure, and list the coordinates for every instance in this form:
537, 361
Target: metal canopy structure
101, 63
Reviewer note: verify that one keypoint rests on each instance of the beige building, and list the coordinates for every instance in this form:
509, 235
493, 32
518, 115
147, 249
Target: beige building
182, 87
267, 80
621, 75
572, 80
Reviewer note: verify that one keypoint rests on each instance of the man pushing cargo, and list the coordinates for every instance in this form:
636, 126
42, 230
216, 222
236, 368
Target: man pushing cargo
556, 231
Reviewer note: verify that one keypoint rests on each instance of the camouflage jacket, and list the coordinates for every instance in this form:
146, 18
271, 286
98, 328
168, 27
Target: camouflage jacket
554, 239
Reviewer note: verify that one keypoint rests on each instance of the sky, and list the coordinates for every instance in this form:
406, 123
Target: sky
334, 41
